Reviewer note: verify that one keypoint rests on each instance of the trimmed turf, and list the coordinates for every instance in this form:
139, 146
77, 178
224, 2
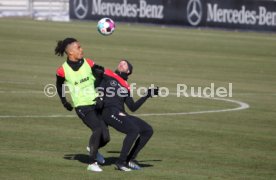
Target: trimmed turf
225, 145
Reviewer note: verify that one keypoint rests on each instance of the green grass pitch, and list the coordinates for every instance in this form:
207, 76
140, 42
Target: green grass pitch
223, 145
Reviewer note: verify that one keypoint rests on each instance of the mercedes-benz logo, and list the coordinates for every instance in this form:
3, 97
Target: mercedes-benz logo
113, 83
194, 12
81, 8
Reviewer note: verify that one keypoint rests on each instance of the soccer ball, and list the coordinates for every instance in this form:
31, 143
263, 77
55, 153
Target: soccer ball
106, 26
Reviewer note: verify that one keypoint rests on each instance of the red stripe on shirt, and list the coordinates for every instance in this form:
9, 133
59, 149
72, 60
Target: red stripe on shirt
110, 73
90, 62
60, 72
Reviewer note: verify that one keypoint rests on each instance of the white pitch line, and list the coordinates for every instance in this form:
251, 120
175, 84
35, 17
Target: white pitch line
242, 106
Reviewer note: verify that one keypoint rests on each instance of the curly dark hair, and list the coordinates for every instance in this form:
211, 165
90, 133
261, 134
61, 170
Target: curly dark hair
62, 44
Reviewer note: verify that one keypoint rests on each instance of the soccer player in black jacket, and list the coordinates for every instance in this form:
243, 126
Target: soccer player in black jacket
116, 92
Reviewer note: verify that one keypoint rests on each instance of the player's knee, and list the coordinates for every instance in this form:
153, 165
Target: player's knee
104, 142
149, 131
98, 131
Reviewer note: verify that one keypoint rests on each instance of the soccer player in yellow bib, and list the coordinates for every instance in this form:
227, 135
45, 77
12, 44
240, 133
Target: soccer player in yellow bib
81, 76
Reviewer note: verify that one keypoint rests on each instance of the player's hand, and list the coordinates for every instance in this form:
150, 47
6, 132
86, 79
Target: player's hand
98, 70
153, 92
67, 106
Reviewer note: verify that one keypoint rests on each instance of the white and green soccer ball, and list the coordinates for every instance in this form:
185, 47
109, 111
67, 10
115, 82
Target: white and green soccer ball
106, 26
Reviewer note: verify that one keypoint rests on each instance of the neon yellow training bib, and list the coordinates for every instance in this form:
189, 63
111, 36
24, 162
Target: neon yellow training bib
80, 84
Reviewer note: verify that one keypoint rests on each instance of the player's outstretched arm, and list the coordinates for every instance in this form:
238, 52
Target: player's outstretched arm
133, 106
